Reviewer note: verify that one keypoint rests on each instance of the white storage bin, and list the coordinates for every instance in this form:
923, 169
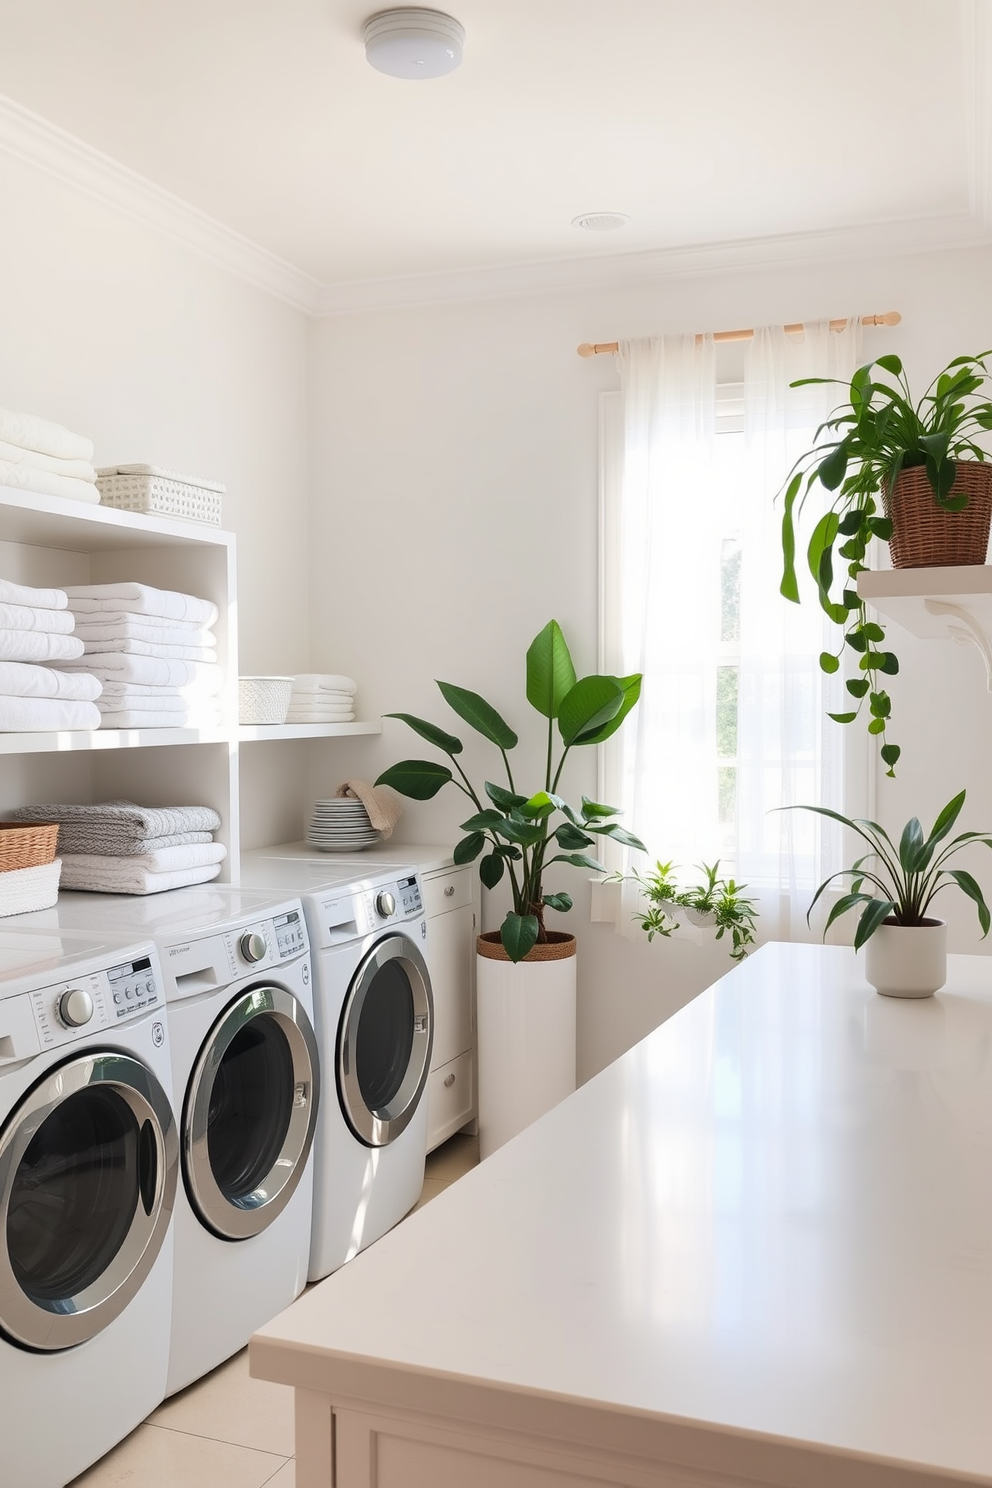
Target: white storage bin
164, 493
263, 699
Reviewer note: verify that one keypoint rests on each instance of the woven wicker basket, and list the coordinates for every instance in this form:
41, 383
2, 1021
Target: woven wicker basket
924, 535
263, 699
27, 845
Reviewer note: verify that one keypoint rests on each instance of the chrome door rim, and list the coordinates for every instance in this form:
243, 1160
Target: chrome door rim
92, 1309
269, 1198
379, 1128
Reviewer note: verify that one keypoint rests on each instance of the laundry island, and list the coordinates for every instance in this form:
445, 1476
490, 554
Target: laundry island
757, 1249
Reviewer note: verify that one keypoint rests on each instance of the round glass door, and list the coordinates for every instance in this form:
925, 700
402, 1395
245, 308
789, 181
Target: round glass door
384, 1041
251, 1112
88, 1166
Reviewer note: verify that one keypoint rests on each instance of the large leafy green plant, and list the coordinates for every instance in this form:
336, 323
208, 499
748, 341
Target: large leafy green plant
520, 835
857, 455
903, 879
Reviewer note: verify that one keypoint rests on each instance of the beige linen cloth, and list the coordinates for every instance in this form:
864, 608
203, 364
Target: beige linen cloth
383, 809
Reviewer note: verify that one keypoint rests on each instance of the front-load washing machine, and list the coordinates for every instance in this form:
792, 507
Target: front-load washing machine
237, 980
88, 1178
375, 1026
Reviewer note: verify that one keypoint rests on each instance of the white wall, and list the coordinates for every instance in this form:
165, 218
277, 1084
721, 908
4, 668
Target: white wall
454, 480
160, 357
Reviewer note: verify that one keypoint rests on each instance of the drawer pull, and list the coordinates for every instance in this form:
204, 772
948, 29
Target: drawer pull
449, 891
449, 1081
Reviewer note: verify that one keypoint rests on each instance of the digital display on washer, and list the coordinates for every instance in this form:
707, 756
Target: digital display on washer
132, 986
290, 937
409, 892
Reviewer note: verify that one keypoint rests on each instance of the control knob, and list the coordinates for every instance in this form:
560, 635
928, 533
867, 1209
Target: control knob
253, 945
75, 1007
385, 904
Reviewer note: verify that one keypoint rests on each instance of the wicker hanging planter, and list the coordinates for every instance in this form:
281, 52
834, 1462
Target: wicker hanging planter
924, 534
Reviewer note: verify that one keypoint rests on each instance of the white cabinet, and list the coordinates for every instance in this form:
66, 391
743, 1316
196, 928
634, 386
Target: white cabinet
451, 1095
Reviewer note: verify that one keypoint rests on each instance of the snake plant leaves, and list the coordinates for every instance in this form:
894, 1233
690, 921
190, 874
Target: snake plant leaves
469, 848
420, 780
491, 869
482, 716
519, 935
550, 673
429, 731
631, 687
587, 706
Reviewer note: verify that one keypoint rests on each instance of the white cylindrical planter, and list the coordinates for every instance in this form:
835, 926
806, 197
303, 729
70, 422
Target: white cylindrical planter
526, 1036
907, 960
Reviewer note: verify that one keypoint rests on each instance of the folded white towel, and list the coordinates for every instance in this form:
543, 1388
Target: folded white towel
19, 715
317, 718
153, 671
19, 679
140, 599
135, 695
128, 879
25, 889
143, 628
41, 599
21, 477
137, 718
323, 682
164, 860
123, 646
328, 715
27, 617
29, 432
322, 700
38, 645
163, 702
77, 469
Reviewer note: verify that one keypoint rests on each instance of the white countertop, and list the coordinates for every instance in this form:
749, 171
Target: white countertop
773, 1215
424, 858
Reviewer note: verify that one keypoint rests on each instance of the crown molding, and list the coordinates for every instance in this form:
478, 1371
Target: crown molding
917, 235
34, 140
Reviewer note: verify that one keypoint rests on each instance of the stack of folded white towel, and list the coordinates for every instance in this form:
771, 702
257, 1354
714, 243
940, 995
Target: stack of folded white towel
36, 628
154, 653
322, 697
117, 847
39, 456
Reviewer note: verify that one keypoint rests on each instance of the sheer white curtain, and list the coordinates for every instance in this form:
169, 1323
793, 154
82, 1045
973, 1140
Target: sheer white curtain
732, 721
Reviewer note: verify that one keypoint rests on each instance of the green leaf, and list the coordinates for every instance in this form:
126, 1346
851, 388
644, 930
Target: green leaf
419, 780
561, 902
890, 755
889, 663
872, 631
946, 819
968, 885
568, 836
590, 703
479, 714
596, 808
857, 640
429, 731
857, 686
877, 726
829, 662
631, 692
491, 870
469, 848
818, 553
550, 673
832, 470
842, 717
518, 934
540, 807
483, 821
617, 833
789, 588
874, 914
504, 799
579, 860
911, 844
881, 527
527, 834
844, 903
890, 363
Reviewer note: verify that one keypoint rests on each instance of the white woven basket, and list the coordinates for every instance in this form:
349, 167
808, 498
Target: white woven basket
162, 493
23, 890
263, 699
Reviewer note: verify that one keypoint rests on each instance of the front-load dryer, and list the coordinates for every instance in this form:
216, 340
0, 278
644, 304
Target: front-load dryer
375, 1026
246, 1072
88, 1179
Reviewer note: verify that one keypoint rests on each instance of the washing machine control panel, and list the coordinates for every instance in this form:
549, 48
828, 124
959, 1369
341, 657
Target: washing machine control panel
267, 942
393, 901
290, 934
96, 1000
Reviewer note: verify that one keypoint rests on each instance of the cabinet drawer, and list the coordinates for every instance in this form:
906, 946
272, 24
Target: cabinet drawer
445, 891
450, 1098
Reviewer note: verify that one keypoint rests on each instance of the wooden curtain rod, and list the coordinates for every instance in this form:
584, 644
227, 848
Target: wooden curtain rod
890, 318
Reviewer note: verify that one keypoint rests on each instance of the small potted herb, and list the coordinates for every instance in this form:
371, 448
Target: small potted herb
717, 902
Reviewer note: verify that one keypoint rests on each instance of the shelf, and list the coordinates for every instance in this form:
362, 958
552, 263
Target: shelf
937, 604
254, 733
81, 527
75, 740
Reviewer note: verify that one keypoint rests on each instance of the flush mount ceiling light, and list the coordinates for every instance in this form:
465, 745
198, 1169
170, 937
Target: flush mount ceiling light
601, 221
414, 43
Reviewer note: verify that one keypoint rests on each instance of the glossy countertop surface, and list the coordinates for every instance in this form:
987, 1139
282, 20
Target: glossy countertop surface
773, 1214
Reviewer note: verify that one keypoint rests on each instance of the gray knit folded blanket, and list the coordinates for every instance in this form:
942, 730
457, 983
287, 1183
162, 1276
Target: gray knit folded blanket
122, 828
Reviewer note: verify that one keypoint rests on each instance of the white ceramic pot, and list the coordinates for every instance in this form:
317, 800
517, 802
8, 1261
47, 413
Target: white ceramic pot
526, 1037
907, 960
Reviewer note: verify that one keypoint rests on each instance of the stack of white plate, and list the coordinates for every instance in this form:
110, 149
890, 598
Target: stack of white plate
340, 825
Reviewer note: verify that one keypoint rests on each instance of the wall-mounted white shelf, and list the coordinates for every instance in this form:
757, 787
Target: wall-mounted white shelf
73, 740
937, 604
81, 527
257, 732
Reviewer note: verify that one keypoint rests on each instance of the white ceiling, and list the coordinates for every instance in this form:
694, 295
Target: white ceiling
706, 121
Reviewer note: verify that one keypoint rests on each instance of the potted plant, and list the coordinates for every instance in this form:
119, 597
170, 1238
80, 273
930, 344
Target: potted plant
718, 903
906, 947
909, 473
525, 972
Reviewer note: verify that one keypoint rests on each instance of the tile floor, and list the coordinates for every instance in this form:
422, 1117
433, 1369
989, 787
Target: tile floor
227, 1430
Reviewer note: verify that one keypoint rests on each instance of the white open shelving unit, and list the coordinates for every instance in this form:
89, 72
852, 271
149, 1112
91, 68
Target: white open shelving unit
48, 541
937, 604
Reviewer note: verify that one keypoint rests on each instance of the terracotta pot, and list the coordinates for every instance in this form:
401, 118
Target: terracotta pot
526, 1034
924, 535
907, 960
